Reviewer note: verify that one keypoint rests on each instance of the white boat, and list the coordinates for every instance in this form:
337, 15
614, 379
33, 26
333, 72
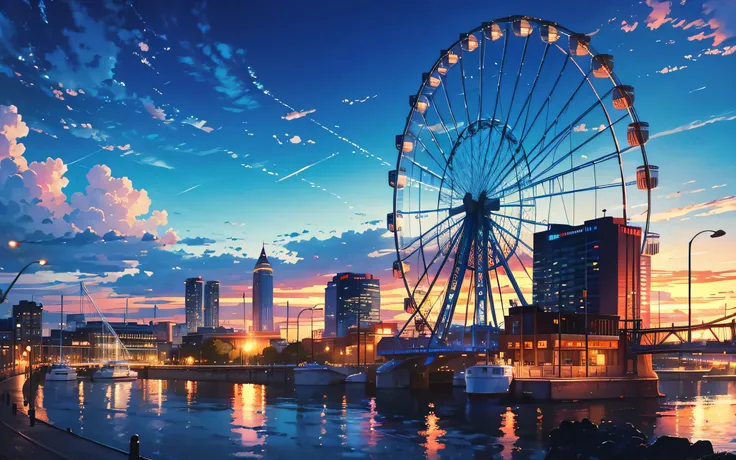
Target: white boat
458, 379
61, 373
488, 379
115, 370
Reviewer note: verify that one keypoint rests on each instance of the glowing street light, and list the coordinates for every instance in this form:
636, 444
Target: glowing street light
713, 234
12, 244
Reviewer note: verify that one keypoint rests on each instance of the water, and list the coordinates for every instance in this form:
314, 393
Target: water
180, 419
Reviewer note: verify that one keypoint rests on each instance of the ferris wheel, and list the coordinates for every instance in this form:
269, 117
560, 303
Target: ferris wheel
518, 126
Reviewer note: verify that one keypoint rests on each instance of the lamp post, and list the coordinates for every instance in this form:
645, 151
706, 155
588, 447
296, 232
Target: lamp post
312, 309
713, 234
3, 295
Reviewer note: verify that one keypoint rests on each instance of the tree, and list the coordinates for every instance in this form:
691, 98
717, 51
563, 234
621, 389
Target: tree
216, 351
270, 356
294, 353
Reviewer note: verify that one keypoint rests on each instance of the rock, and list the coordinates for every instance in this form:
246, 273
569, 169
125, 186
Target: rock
669, 447
700, 449
607, 450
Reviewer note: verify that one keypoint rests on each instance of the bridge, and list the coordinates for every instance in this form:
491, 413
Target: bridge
715, 336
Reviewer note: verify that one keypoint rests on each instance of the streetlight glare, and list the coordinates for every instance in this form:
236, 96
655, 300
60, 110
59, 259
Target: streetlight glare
42, 262
28, 348
13, 244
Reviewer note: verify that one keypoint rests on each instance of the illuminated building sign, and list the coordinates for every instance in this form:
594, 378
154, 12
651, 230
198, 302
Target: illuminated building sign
577, 231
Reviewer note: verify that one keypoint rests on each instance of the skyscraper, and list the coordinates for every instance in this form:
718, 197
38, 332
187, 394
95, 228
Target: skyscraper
212, 304
598, 260
193, 299
346, 296
263, 294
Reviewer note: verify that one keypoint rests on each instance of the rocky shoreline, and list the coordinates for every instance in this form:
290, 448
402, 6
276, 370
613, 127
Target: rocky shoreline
585, 440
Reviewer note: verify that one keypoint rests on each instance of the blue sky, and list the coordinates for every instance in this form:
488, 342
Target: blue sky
190, 101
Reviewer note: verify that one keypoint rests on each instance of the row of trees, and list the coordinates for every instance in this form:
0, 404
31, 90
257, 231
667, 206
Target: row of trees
216, 351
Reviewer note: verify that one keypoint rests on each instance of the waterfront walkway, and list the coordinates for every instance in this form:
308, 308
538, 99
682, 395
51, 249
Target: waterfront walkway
21, 441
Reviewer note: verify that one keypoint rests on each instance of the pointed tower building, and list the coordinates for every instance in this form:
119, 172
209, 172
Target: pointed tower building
263, 294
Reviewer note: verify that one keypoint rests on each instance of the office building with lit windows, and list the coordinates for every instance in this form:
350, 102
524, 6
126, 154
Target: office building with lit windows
193, 301
347, 296
595, 266
262, 294
212, 304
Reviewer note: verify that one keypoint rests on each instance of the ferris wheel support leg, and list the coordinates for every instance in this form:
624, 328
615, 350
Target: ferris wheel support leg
444, 319
481, 267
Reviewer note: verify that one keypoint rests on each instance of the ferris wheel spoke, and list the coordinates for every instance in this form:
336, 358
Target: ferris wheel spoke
465, 93
555, 141
526, 106
541, 180
504, 230
524, 132
425, 235
480, 81
449, 106
451, 243
443, 124
503, 139
434, 138
520, 219
442, 166
509, 273
515, 253
498, 95
567, 129
572, 151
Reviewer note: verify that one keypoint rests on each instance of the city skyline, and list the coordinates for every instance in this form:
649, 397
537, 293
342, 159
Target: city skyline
196, 181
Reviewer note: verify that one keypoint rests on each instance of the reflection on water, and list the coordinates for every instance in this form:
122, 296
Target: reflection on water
184, 419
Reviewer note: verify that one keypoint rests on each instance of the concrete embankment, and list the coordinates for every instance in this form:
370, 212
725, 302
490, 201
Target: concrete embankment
276, 374
588, 388
49, 441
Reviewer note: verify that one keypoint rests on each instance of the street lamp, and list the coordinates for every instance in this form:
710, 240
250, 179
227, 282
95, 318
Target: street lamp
312, 309
4, 295
713, 234
13, 244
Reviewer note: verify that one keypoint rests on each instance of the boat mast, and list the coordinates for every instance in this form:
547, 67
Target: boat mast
61, 331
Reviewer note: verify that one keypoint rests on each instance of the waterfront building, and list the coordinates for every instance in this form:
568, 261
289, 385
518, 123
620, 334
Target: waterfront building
212, 304
536, 338
592, 267
6, 345
262, 294
347, 296
645, 291
193, 301
27, 319
352, 349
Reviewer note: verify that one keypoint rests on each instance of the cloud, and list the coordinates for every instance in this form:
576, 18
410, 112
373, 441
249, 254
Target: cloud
169, 237
154, 111
198, 241
143, 46
295, 140
124, 147
708, 208
696, 90
722, 21
91, 60
153, 161
668, 69
295, 115
658, 16
694, 125
199, 124
581, 128
626, 27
